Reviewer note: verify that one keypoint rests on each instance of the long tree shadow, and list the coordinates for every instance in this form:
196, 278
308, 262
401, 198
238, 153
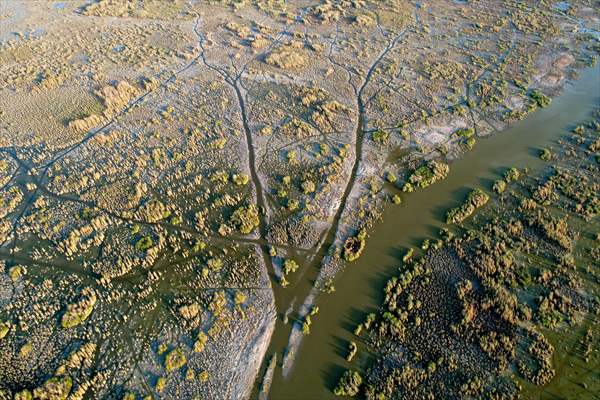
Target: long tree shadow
331, 374
485, 183
352, 318
455, 199
340, 346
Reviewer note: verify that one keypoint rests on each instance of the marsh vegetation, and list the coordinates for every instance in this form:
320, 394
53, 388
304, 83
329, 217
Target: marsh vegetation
179, 180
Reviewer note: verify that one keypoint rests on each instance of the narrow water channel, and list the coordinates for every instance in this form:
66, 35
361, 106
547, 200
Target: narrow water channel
320, 360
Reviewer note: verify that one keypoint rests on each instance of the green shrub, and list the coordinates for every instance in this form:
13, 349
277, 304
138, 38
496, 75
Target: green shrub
200, 342
499, 186
203, 376
23, 395
16, 272
190, 374
407, 257
289, 266
218, 143
427, 174
215, 264
306, 325
329, 287
246, 218
520, 84
477, 198
308, 187
80, 311
358, 329
390, 177
4, 329
283, 281
219, 176
161, 383
56, 388
470, 143
162, 348
293, 204
545, 155
198, 246
291, 156
144, 243
512, 174
465, 133
540, 98
240, 179
381, 136
175, 360
354, 246
349, 384
352, 350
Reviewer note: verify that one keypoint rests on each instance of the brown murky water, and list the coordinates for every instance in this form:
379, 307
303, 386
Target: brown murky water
320, 360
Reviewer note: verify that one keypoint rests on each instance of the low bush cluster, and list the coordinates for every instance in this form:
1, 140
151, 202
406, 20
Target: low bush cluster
476, 199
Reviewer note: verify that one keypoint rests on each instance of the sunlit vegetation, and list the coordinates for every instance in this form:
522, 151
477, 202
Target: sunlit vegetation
427, 175
349, 384
499, 186
4, 329
289, 59
540, 98
163, 164
289, 266
246, 219
144, 243
511, 175
354, 246
381, 136
546, 155
352, 350
174, 360
306, 324
79, 311
476, 199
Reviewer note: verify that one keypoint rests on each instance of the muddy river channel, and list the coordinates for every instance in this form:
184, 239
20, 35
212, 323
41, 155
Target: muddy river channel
321, 358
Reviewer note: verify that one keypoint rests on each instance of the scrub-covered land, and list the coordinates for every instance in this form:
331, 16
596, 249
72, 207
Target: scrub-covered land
168, 166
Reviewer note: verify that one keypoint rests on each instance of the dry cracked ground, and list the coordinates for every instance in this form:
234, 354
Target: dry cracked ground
165, 164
